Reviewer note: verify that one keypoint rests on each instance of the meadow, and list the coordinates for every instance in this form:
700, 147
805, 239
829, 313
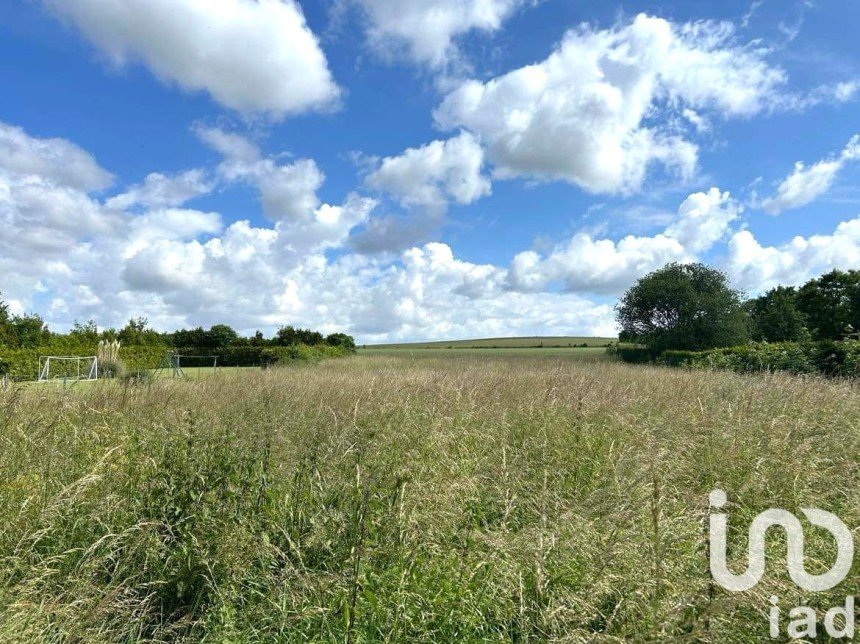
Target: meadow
541, 342
432, 496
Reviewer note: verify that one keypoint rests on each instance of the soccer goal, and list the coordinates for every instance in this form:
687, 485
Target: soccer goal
68, 368
180, 366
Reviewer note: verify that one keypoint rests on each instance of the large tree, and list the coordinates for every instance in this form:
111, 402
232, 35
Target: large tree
774, 317
683, 306
831, 304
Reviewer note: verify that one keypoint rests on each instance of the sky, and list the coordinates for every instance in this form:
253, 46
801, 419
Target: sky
417, 169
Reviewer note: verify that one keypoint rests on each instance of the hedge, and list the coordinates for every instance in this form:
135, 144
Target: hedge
841, 359
23, 364
631, 353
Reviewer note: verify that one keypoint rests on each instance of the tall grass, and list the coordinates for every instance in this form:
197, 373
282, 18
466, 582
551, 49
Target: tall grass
397, 498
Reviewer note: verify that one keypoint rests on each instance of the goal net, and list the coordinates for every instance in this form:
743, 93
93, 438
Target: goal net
181, 365
69, 368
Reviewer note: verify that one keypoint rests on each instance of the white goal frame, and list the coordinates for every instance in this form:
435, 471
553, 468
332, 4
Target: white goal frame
86, 368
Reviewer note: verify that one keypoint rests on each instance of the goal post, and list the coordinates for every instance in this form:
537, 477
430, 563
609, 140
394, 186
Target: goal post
69, 368
175, 364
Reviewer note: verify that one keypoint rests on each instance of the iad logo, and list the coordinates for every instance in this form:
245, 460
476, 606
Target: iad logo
806, 624
794, 532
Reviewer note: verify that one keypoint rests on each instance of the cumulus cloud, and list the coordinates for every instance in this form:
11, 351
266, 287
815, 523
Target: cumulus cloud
704, 219
69, 255
586, 264
159, 190
434, 173
584, 114
287, 192
253, 56
805, 184
758, 268
52, 160
426, 30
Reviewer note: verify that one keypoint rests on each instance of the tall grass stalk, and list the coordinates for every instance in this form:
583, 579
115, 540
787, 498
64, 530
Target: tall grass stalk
455, 498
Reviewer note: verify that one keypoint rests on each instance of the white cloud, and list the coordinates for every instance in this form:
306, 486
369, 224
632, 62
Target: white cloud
253, 56
805, 184
435, 173
287, 192
586, 264
65, 253
53, 160
233, 147
425, 30
758, 268
159, 191
703, 219
69, 256
586, 113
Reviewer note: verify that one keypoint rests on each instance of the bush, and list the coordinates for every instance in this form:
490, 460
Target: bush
680, 358
631, 353
840, 359
111, 369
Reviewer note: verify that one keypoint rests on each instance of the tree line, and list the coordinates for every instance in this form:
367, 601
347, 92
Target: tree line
30, 331
691, 307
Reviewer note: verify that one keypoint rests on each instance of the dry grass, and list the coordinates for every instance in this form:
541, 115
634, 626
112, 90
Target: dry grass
454, 498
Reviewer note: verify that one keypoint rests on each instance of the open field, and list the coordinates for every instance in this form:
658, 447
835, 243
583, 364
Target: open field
503, 343
435, 497
579, 354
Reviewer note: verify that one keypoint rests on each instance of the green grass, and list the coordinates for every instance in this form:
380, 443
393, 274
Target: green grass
425, 497
503, 343
421, 353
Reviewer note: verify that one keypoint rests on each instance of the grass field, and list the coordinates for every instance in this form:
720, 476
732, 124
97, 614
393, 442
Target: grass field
503, 343
428, 497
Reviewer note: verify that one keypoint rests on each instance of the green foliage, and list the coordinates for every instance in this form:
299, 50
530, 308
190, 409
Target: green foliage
288, 335
138, 332
682, 306
631, 353
775, 317
23, 364
831, 305
829, 358
221, 336
341, 340
4, 311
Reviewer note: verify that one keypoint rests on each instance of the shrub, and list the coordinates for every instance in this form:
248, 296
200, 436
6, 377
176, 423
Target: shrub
631, 353
841, 359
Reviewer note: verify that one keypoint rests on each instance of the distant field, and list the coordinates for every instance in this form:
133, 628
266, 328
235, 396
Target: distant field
502, 343
578, 354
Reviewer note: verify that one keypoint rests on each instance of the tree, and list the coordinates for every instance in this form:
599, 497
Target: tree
138, 332
683, 306
221, 336
86, 332
775, 317
4, 322
831, 304
289, 336
4, 311
341, 340
27, 331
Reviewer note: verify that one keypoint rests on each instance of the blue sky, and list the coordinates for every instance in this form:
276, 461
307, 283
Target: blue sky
417, 169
